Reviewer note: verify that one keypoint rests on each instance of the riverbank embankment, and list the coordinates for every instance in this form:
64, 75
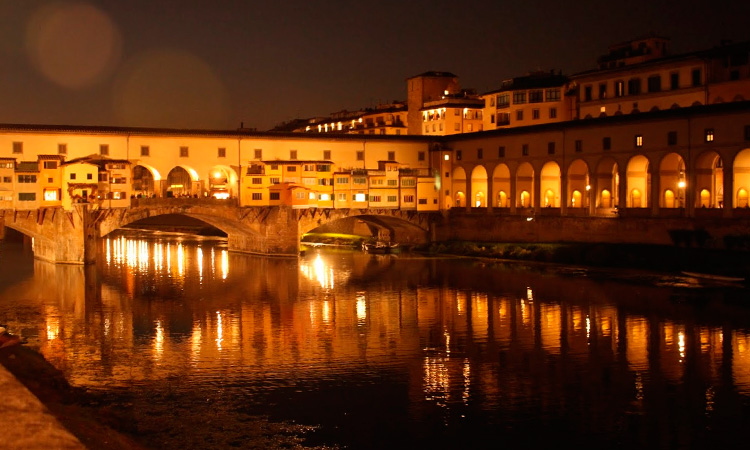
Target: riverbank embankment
42, 411
663, 258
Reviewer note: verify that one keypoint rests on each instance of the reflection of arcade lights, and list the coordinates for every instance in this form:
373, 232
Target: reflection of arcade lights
140, 255
319, 272
361, 308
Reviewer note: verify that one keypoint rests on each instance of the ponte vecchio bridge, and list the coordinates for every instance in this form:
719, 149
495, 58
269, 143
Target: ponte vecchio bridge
72, 237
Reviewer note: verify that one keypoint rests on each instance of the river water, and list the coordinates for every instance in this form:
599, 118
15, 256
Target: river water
201, 348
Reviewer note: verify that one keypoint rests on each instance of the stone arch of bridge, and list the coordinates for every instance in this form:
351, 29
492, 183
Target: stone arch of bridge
266, 230
403, 227
227, 224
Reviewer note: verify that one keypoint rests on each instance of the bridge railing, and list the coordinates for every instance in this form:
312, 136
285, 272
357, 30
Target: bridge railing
180, 201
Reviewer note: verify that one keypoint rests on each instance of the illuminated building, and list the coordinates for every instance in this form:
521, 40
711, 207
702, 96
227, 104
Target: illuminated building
533, 99
384, 119
27, 185
640, 75
7, 185
424, 88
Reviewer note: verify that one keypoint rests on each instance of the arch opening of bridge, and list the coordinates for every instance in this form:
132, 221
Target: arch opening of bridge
392, 226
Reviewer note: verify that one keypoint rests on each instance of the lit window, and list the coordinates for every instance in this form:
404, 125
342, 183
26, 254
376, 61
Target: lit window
638, 140
709, 134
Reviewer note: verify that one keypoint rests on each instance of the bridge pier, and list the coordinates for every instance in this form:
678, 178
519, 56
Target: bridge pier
70, 238
64, 237
279, 235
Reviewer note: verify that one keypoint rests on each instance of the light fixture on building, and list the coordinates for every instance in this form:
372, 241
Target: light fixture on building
447, 157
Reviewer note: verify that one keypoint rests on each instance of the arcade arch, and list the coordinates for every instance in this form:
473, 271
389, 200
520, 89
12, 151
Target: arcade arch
459, 186
183, 182
146, 181
479, 186
550, 185
578, 184
607, 184
638, 182
525, 185
221, 182
709, 180
741, 169
672, 183
501, 185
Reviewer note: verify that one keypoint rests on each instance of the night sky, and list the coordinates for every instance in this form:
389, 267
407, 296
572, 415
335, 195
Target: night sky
216, 64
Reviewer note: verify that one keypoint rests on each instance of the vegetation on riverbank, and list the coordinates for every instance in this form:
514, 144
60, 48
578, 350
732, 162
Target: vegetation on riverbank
641, 256
683, 256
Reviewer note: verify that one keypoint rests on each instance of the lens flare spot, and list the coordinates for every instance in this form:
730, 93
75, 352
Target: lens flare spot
72, 44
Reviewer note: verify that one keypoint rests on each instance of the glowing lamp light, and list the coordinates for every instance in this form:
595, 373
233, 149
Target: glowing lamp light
588, 187
217, 174
447, 157
681, 184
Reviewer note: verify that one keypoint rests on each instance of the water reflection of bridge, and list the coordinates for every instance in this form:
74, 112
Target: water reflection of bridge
72, 236
467, 335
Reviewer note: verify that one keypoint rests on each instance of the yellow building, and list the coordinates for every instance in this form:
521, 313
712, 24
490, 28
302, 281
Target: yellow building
640, 75
27, 185
457, 114
533, 99
7, 185
80, 183
50, 180
424, 88
115, 183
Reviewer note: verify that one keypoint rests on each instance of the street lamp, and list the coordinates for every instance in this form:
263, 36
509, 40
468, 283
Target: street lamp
681, 192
